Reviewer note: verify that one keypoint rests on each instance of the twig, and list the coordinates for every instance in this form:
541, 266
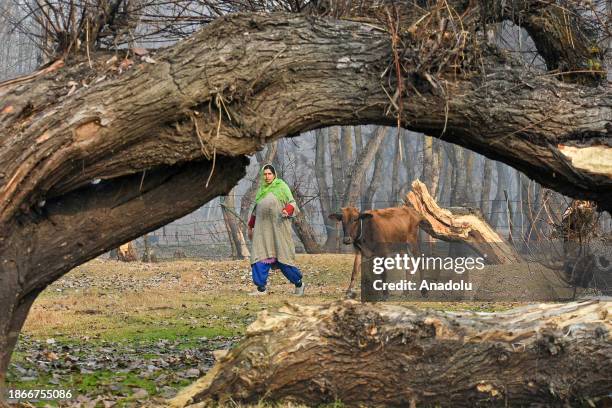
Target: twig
212, 170
233, 213
393, 28
509, 210
87, 42
142, 180
199, 135
53, 67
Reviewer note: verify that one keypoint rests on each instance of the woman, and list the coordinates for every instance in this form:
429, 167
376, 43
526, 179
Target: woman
272, 240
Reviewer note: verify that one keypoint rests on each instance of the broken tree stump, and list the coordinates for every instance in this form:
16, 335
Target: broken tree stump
460, 224
392, 355
127, 252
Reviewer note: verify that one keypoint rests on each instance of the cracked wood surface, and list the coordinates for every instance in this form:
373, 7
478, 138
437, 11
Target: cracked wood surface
391, 355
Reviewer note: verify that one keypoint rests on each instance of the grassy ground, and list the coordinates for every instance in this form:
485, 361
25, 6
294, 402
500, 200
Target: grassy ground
120, 334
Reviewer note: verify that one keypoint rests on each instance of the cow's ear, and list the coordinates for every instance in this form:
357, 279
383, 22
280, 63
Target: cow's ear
335, 216
365, 216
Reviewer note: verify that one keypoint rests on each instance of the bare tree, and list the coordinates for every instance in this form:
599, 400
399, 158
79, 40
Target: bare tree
377, 175
395, 172
470, 190
498, 207
431, 164
409, 162
346, 140
235, 225
358, 139
298, 169
325, 195
485, 195
459, 190
359, 168
525, 205
337, 167
148, 254
302, 227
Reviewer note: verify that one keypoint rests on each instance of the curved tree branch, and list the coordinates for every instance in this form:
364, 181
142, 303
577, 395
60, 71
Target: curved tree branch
322, 73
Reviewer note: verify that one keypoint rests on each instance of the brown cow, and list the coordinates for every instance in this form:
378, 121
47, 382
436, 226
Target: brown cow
370, 230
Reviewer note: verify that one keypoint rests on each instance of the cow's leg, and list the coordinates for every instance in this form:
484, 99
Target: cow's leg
422, 276
385, 279
407, 271
350, 293
416, 251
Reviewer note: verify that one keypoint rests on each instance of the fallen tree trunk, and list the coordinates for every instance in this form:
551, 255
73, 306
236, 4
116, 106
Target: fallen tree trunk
460, 224
390, 355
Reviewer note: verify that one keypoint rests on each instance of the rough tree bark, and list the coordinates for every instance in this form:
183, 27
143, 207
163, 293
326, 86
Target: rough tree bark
360, 143
537, 355
498, 208
247, 79
470, 191
536, 215
302, 227
459, 224
485, 194
337, 167
324, 192
437, 167
148, 254
447, 174
377, 175
409, 162
431, 164
337, 181
228, 229
460, 196
525, 206
459, 186
234, 225
346, 140
358, 139
395, 172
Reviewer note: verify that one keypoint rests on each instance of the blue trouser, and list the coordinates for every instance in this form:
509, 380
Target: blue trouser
260, 272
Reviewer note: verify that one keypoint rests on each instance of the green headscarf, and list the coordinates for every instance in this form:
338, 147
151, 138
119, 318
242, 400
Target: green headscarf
277, 187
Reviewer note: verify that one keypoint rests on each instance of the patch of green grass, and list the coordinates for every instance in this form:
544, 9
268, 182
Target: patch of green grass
132, 380
87, 383
18, 356
91, 383
41, 382
149, 334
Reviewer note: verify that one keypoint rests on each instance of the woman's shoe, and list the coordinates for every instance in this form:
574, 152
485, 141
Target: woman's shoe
259, 292
299, 291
